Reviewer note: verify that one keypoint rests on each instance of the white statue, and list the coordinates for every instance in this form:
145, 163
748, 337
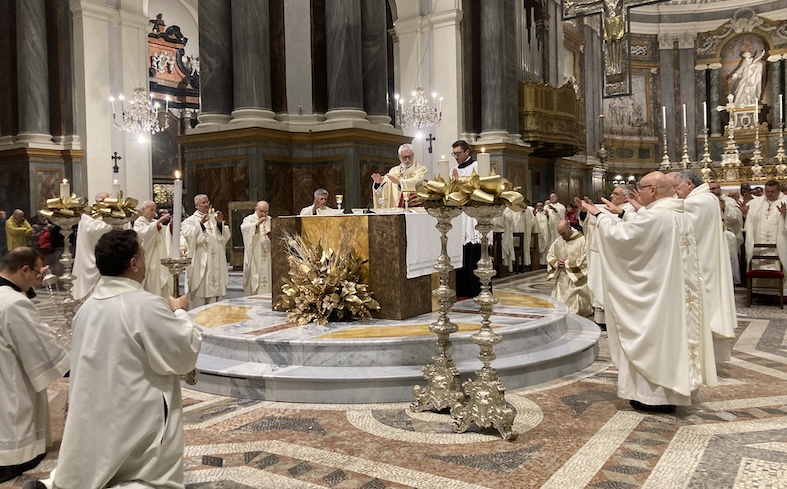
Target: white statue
749, 76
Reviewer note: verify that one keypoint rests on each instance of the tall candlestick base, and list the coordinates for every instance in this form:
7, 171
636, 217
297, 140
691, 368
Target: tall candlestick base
69, 304
685, 162
665, 162
443, 388
176, 267
486, 403
781, 168
117, 223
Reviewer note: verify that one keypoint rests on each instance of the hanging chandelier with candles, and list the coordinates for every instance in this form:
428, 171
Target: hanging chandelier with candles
419, 112
140, 115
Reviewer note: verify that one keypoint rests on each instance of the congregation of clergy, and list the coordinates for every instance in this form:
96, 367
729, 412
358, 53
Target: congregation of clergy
654, 264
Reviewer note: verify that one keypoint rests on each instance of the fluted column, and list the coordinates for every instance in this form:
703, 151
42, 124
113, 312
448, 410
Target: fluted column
374, 54
715, 100
32, 72
493, 93
345, 77
251, 61
215, 56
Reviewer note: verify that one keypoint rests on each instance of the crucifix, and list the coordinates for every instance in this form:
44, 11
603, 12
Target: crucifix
430, 139
116, 157
615, 32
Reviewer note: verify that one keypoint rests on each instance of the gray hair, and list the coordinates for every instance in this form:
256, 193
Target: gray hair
320, 191
405, 147
197, 197
690, 176
148, 203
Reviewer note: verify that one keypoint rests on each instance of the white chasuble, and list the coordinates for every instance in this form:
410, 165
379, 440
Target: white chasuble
652, 298
720, 318
541, 225
124, 425
207, 276
256, 255
157, 241
765, 225
408, 177
85, 271
30, 359
571, 283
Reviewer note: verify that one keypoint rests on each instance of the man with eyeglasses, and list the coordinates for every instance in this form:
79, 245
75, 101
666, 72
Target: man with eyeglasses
651, 294
766, 221
30, 359
387, 190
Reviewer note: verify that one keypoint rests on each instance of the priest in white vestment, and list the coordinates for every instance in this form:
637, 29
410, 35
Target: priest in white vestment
387, 189
567, 266
124, 426
542, 227
732, 214
206, 238
30, 359
525, 226
319, 207
652, 297
765, 222
554, 206
89, 231
704, 211
156, 238
256, 229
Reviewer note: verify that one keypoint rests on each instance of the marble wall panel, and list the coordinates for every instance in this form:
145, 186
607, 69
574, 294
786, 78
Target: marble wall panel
367, 167
222, 181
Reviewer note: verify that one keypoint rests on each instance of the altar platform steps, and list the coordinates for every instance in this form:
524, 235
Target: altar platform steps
380, 360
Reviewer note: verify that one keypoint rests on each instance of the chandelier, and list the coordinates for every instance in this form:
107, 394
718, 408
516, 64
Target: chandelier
140, 115
419, 113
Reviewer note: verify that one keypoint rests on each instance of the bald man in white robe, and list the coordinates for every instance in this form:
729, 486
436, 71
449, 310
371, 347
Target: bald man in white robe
256, 228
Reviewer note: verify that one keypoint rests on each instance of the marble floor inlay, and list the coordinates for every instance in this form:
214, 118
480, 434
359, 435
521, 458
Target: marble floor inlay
574, 431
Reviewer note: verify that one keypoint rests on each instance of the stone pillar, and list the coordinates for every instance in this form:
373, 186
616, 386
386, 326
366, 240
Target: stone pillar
215, 56
511, 68
345, 78
374, 54
775, 72
702, 96
251, 61
667, 78
32, 72
715, 100
493, 93
687, 95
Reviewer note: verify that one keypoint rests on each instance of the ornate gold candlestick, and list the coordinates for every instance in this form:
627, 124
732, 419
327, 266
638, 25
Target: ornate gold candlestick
665, 162
176, 267
781, 168
69, 304
442, 378
486, 404
684, 161
117, 223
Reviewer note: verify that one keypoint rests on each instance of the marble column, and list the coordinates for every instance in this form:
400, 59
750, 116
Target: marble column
493, 93
667, 79
251, 61
511, 69
702, 96
32, 72
374, 53
345, 77
715, 100
687, 95
215, 56
775, 72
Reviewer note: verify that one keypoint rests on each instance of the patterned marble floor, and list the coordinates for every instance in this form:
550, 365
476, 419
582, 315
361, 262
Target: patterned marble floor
574, 433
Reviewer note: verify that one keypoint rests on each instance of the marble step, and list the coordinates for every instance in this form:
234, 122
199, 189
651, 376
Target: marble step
521, 366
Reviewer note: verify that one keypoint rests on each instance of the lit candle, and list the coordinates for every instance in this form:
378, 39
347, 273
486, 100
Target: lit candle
65, 189
177, 212
781, 108
443, 169
664, 116
483, 163
115, 188
684, 116
705, 114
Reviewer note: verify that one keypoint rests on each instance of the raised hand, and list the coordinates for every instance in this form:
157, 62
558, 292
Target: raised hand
611, 207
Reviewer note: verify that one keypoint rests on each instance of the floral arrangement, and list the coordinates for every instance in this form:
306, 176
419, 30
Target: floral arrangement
324, 284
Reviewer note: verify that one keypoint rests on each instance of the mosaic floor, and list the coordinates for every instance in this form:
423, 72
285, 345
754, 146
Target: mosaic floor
574, 433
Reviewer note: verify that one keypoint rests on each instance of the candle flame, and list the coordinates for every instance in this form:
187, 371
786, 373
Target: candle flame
65, 180
114, 182
483, 150
177, 175
442, 157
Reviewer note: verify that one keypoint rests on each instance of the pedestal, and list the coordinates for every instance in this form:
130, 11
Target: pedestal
69, 304
176, 267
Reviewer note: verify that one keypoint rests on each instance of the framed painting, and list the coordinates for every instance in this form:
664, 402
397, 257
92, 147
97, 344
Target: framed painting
47, 182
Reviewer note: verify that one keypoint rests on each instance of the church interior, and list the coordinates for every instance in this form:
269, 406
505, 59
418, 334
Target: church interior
250, 100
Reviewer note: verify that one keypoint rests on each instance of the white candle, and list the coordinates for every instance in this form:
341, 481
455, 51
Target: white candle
65, 189
756, 112
664, 116
684, 116
781, 108
115, 188
443, 169
705, 114
177, 203
484, 165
